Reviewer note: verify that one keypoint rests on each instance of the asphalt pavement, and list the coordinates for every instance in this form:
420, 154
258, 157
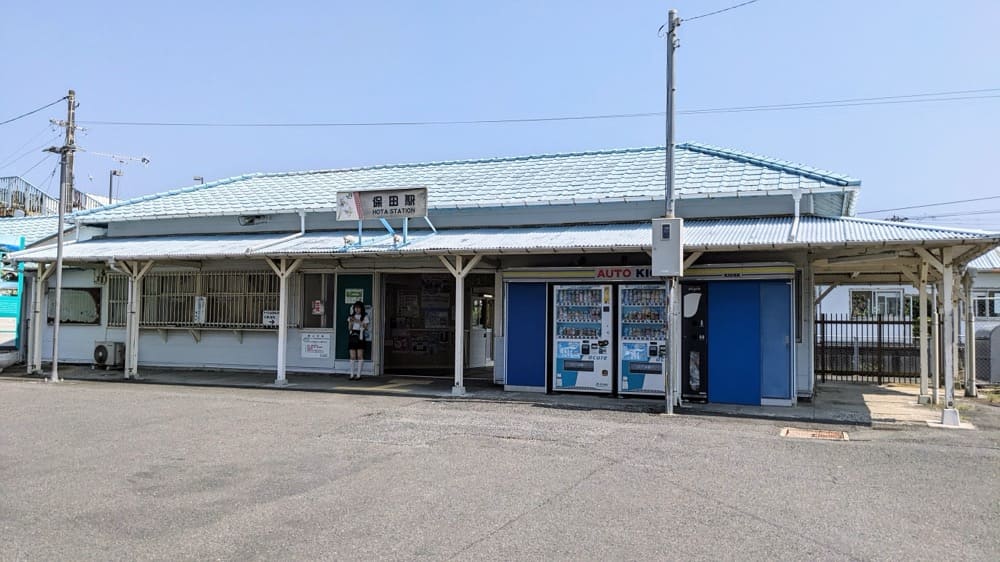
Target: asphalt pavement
92, 471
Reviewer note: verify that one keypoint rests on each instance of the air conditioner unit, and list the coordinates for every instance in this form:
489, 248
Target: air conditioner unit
109, 354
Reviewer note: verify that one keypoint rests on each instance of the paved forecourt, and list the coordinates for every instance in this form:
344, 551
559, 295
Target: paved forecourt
112, 471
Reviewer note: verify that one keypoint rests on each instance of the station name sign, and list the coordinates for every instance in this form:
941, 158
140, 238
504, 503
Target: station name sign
382, 204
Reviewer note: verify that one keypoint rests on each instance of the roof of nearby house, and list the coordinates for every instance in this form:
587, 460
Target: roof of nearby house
626, 174
703, 234
34, 228
987, 262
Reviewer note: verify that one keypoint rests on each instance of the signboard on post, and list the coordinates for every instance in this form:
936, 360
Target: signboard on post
382, 204
668, 247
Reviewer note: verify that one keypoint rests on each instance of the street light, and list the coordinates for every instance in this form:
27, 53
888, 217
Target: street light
111, 179
199, 179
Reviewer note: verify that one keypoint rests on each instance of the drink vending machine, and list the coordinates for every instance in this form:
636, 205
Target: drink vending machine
583, 355
642, 337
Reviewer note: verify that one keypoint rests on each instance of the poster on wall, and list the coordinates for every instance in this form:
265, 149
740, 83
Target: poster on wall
352, 296
269, 318
316, 346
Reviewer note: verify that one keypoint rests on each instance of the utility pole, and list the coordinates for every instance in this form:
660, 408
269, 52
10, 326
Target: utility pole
673, 367
111, 184
65, 200
673, 22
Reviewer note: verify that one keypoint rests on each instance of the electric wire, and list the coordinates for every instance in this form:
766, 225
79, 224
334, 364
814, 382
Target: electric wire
30, 151
44, 158
48, 181
716, 12
849, 102
25, 143
23, 115
925, 205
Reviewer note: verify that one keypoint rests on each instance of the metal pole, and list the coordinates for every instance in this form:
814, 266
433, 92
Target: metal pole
65, 199
936, 338
970, 339
949, 416
282, 322
922, 330
672, 367
459, 387
672, 23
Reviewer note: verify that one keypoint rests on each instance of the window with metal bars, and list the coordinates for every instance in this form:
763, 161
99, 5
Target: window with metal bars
232, 299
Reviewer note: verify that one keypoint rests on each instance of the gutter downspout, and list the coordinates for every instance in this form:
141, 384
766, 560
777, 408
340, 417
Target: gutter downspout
300, 233
794, 232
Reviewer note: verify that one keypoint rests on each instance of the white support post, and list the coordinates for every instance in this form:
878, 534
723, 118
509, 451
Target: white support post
459, 272
283, 270
922, 330
459, 388
136, 272
936, 341
281, 379
376, 327
949, 415
37, 324
970, 340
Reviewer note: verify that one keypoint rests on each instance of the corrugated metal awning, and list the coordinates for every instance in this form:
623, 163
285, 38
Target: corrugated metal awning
765, 233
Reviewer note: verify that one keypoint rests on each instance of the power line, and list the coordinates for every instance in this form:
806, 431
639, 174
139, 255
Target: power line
718, 11
44, 158
957, 214
48, 181
25, 143
837, 103
930, 205
30, 151
850, 102
12, 119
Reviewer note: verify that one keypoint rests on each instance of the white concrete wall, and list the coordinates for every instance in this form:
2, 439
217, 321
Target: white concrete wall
216, 349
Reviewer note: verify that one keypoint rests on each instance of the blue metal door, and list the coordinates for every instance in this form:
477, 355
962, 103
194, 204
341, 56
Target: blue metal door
526, 335
776, 339
734, 339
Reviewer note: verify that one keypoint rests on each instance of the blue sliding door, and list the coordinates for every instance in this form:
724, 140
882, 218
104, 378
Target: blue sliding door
527, 309
749, 341
734, 340
776, 339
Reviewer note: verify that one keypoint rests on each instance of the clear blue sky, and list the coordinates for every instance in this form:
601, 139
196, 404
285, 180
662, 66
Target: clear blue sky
315, 61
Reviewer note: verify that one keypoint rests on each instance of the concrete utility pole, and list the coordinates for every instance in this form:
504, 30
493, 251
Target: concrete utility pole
65, 200
673, 366
111, 183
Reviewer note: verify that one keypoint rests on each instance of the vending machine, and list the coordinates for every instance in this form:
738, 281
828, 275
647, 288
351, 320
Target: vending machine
642, 337
584, 360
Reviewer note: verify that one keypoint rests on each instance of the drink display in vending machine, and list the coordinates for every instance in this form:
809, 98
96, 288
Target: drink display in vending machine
642, 337
583, 354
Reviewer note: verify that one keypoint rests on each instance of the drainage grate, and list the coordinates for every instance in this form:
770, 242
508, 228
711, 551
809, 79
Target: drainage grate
827, 434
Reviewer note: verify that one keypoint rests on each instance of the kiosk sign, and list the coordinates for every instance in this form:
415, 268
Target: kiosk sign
382, 204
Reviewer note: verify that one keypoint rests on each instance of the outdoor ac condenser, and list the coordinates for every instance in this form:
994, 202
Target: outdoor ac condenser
109, 354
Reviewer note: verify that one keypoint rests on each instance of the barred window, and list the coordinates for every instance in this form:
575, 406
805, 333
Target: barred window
231, 299
117, 300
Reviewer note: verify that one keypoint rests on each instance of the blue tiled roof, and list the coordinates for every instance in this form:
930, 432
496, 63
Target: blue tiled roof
623, 174
32, 228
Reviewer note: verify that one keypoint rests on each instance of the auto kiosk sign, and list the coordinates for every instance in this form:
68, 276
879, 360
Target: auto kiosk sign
626, 273
382, 204
11, 289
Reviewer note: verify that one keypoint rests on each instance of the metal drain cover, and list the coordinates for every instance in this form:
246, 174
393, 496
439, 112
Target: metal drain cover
827, 434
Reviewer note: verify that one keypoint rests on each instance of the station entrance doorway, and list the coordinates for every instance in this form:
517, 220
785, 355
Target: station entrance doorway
420, 325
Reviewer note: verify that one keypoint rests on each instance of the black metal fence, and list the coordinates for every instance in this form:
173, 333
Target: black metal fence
873, 350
